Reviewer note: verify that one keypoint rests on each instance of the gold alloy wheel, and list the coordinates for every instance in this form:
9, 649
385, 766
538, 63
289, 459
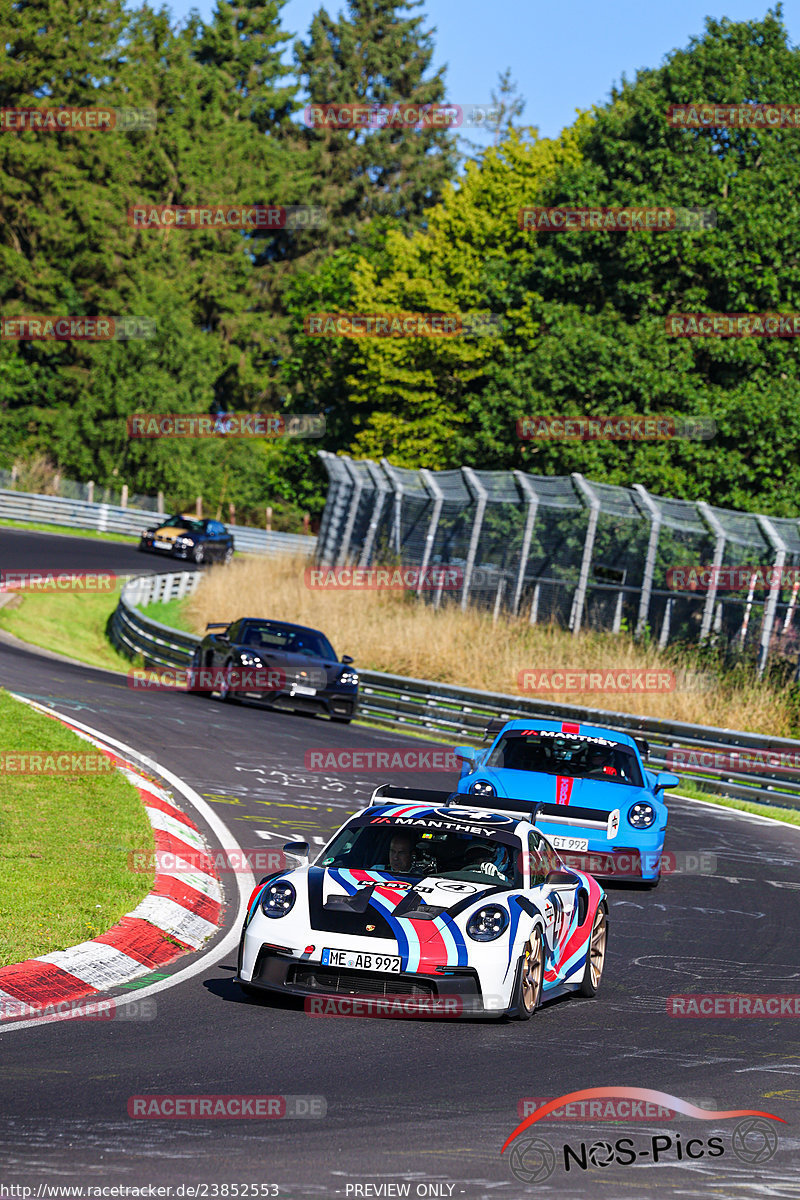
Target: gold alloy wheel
597, 948
532, 964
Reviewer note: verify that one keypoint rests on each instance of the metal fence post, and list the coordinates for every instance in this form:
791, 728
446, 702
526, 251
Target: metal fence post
532, 497
770, 608
438, 500
576, 615
650, 560
381, 491
397, 513
719, 550
481, 496
355, 500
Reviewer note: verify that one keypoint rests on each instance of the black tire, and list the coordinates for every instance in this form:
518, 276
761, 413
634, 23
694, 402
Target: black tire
225, 694
195, 666
596, 956
530, 977
341, 720
198, 555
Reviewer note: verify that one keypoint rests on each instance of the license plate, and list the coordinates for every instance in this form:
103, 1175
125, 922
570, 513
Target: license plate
297, 690
162, 545
360, 961
569, 843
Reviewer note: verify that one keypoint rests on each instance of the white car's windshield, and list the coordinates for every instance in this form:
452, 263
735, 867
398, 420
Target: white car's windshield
414, 850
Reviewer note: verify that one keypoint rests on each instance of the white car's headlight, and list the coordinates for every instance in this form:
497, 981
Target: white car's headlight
641, 815
278, 899
487, 923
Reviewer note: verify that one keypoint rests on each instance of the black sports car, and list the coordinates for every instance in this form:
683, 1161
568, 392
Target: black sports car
288, 666
185, 536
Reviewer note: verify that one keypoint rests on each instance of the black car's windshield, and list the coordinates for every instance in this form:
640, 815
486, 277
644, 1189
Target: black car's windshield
577, 755
419, 851
179, 522
269, 636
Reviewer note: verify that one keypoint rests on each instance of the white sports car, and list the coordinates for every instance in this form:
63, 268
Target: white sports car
424, 898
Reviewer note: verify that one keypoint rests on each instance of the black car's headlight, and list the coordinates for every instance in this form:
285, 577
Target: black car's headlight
250, 660
641, 815
487, 923
350, 677
184, 541
278, 899
482, 787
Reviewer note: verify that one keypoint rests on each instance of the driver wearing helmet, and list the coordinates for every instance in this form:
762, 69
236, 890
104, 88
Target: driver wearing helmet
494, 861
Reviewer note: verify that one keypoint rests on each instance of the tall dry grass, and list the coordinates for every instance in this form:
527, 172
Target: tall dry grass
392, 631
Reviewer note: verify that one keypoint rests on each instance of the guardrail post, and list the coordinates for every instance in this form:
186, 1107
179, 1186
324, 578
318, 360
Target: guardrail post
589, 497
770, 608
438, 500
532, 497
650, 560
481, 495
719, 550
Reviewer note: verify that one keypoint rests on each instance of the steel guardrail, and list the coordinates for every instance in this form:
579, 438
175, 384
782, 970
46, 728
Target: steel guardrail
422, 705
112, 518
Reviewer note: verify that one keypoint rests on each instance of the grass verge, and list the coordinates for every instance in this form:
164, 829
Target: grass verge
71, 623
170, 612
65, 842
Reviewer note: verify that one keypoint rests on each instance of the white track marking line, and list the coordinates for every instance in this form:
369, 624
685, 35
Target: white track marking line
244, 879
738, 812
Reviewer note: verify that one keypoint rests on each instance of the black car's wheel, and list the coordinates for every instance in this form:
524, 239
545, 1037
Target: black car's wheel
228, 555
530, 977
226, 694
341, 720
596, 957
198, 554
193, 680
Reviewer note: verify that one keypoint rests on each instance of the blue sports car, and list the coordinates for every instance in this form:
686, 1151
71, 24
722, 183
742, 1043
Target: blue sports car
599, 805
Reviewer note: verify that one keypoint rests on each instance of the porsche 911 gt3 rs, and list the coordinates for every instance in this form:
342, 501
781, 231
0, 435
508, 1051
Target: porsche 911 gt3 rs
424, 895
599, 803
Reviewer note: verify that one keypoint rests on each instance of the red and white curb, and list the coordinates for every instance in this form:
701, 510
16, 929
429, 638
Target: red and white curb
181, 912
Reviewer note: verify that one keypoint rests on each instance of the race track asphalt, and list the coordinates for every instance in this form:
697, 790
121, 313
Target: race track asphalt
423, 1103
